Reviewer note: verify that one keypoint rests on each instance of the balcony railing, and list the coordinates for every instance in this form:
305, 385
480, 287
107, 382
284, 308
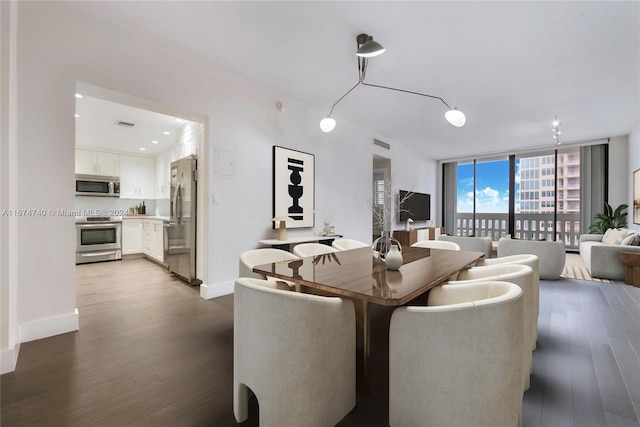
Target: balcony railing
528, 226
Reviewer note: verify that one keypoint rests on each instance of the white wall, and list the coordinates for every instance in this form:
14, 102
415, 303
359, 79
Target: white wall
58, 47
9, 341
634, 164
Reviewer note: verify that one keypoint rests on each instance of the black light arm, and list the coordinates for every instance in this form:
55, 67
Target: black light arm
342, 97
362, 66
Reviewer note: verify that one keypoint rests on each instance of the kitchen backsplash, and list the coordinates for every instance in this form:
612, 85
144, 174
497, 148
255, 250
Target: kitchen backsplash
115, 206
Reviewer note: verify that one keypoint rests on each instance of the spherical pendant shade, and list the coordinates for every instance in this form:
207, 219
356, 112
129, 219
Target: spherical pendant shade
455, 117
327, 124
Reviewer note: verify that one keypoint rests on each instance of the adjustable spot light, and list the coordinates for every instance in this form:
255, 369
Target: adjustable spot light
367, 48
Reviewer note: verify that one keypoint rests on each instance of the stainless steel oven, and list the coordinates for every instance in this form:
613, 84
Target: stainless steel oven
98, 239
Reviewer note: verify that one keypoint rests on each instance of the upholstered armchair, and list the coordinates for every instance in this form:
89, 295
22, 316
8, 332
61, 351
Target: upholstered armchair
525, 259
521, 275
344, 244
551, 254
466, 243
312, 249
296, 352
458, 361
253, 257
436, 244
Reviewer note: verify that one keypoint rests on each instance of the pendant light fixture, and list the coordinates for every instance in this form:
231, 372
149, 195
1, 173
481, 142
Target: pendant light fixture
368, 48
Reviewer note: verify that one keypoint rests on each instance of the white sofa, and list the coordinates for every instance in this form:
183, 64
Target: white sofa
600, 252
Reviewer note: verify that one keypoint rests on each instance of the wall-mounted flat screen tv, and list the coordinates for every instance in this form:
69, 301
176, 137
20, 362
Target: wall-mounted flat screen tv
417, 206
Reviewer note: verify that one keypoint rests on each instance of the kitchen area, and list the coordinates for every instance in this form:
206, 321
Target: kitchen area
136, 186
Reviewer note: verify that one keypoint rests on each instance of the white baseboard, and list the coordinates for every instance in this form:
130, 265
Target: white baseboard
8, 359
43, 328
217, 290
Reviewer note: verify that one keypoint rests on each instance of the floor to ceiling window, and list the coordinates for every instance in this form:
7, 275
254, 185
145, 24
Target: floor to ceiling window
483, 198
545, 203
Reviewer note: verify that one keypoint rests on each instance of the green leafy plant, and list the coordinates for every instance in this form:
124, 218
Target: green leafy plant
610, 219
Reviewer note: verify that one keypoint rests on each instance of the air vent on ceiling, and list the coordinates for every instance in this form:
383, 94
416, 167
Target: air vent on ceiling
125, 124
381, 144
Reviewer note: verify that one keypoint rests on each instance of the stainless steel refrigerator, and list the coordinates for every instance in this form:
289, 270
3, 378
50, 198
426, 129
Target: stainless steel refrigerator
180, 231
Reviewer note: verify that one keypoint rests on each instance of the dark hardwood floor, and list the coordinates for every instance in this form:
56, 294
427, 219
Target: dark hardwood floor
151, 352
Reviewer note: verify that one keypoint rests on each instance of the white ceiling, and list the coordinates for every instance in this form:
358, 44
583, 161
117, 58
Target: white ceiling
97, 127
510, 66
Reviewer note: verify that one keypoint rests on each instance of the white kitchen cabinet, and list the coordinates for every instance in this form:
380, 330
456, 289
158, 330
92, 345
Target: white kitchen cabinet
163, 166
190, 139
153, 239
131, 236
89, 162
137, 177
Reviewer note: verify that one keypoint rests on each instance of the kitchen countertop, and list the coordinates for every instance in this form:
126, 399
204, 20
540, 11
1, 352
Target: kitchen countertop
161, 218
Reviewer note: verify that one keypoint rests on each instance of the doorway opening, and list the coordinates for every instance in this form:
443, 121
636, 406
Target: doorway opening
134, 142
381, 195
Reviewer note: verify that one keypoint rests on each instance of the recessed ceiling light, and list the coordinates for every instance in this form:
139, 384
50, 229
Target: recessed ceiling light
154, 142
178, 119
166, 132
143, 149
79, 95
77, 116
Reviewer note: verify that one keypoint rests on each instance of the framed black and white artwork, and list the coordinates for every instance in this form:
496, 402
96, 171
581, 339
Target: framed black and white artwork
294, 186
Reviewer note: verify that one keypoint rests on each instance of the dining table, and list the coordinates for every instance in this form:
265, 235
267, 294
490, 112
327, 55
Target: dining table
359, 274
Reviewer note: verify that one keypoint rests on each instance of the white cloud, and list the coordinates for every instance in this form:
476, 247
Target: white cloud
488, 200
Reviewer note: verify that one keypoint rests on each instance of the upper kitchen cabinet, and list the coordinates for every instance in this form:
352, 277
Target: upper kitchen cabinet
163, 166
90, 162
137, 177
189, 139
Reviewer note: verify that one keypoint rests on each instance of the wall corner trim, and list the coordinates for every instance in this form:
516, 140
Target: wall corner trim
217, 290
9, 359
48, 327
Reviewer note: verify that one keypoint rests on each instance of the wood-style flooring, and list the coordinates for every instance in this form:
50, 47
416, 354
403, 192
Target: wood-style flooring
151, 352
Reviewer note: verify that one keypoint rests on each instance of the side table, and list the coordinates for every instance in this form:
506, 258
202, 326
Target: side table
631, 261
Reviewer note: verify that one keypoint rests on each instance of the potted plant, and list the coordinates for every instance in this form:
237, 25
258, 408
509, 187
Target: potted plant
609, 219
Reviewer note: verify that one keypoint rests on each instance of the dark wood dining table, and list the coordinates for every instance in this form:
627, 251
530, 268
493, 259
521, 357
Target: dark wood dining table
357, 274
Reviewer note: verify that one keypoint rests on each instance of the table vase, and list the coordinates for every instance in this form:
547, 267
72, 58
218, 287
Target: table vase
393, 258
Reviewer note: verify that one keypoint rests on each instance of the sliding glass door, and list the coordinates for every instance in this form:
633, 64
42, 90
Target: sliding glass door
545, 204
483, 198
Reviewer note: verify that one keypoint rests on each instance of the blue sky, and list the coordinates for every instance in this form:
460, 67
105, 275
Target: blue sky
492, 187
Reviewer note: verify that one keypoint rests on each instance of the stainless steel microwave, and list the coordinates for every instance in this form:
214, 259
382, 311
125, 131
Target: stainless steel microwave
92, 185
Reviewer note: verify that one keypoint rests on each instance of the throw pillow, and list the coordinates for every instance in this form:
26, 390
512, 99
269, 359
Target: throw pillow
605, 237
615, 236
624, 233
631, 240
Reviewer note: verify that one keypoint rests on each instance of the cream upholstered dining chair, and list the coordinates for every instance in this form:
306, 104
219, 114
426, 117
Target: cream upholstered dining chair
296, 353
458, 361
525, 259
436, 244
345, 244
312, 249
521, 275
253, 257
